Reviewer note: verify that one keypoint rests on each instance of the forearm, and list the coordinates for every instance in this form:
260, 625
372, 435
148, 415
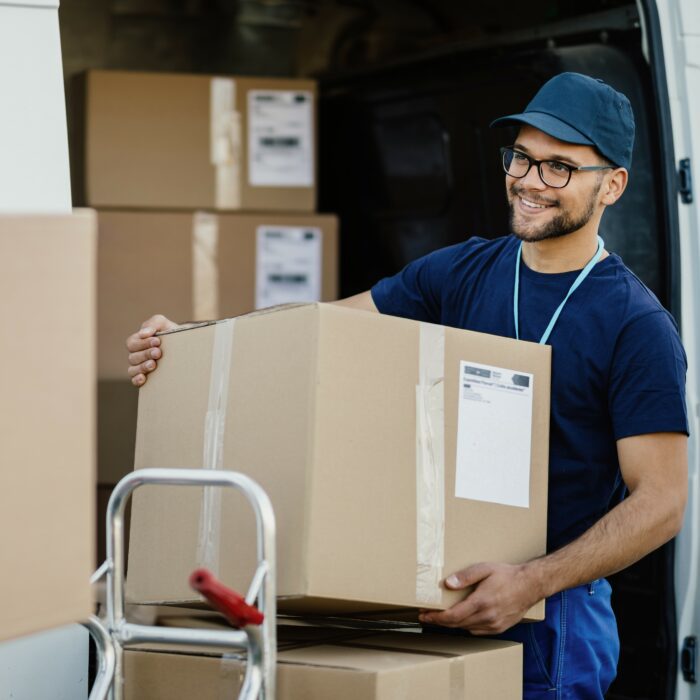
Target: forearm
362, 302
635, 527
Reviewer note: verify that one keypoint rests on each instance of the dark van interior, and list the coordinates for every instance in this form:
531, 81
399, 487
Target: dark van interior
409, 162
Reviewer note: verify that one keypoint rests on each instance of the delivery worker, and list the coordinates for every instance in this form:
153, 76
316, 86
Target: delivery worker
618, 417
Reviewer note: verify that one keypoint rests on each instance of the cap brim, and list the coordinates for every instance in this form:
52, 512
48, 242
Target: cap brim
553, 126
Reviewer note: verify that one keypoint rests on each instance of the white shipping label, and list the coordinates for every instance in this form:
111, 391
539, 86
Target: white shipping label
280, 138
494, 435
288, 265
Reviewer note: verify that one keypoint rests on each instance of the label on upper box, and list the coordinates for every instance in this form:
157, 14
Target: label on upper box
494, 434
280, 138
288, 265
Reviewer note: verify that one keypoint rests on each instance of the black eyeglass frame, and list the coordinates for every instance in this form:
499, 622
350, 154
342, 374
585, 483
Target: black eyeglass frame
531, 161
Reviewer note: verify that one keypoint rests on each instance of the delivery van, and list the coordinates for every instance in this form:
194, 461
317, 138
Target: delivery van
410, 164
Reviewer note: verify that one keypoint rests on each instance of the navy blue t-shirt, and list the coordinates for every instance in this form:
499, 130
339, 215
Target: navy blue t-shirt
618, 366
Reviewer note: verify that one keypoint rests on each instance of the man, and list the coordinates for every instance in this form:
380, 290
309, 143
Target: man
618, 420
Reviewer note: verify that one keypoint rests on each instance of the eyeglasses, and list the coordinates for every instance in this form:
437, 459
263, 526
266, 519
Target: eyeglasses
553, 173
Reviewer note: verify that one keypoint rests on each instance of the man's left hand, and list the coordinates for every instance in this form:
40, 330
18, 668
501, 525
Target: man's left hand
502, 594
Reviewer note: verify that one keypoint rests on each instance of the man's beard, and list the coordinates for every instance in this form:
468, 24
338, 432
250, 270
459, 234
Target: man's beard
560, 225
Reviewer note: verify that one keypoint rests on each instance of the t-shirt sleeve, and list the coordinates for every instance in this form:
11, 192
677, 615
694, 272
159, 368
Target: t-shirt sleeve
417, 291
647, 382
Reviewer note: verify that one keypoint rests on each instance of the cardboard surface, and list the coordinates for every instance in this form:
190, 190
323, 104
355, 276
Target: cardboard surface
154, 140
375, 667
321, 411
47, 408
146, 266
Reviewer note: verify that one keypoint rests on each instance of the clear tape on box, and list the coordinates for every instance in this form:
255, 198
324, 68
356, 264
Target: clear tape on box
430, 464
205, 266
225, 142
209, 537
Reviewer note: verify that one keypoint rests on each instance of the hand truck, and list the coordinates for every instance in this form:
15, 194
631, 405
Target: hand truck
257, 636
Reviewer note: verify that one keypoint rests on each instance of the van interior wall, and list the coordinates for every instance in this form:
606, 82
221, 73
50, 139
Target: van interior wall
408, 88
413, 149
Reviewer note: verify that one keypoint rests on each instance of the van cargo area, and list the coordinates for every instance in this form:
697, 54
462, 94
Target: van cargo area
244, 154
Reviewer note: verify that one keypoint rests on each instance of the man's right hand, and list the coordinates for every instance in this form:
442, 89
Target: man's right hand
144, 348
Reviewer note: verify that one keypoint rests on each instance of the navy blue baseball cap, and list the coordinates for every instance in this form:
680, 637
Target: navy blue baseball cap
578, 109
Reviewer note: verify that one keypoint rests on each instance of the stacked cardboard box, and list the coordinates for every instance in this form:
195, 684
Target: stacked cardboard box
317, 664
194, 266
47, 476
380, 443
206, 191
173, 141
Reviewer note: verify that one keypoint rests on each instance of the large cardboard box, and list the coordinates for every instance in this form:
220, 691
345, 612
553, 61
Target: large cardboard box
47, 414
158, 140
194, 266
375, 667
394, 453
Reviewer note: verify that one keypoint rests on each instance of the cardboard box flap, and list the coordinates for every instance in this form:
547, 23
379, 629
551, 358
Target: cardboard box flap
194, 325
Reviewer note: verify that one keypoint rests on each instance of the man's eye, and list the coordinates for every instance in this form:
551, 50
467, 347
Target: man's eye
519, 156
557, 167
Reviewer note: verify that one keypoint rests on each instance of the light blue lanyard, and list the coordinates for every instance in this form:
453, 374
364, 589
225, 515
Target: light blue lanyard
582, 276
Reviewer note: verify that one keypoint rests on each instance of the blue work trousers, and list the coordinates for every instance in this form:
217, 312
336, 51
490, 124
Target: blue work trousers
573, 653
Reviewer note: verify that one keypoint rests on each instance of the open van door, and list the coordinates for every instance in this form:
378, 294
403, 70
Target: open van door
672, 43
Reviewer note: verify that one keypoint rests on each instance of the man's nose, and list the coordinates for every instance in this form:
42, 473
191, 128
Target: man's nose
532, 180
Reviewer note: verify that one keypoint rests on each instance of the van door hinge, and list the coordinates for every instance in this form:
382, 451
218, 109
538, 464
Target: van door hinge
685, 181
688, 659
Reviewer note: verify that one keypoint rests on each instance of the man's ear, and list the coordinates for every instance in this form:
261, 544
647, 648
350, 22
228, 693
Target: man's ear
614, 186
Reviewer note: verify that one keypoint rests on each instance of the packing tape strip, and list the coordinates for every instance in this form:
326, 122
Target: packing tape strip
457, 689
231, 673
430, 464
209, 538
225, 142
205, 268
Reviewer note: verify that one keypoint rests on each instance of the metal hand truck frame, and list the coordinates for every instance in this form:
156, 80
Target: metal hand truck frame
260, 642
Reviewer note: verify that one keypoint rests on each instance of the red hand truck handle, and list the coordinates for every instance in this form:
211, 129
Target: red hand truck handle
225, 600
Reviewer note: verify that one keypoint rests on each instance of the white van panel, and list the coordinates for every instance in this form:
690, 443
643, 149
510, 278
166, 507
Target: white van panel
51, 664
35, 175
680, 28
690, 12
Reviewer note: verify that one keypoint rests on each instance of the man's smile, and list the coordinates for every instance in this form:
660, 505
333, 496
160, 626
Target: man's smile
531, 206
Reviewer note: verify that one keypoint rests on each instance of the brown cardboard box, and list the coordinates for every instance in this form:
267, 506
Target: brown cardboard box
159, 140
339, 415
189, 267
376, 667
202, 266
47, 407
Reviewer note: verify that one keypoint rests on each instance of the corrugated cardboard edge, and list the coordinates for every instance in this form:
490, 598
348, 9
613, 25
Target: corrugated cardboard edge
194, 325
